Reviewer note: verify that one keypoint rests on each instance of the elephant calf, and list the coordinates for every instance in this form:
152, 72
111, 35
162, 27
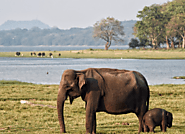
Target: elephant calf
157, 117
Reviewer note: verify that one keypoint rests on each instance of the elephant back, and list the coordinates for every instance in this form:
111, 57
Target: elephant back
94, 73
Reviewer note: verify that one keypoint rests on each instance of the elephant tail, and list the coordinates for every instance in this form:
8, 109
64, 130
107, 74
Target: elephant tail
147, 101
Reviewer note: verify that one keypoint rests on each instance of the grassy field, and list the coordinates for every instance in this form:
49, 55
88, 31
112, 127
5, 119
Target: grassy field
117, 54
26, 118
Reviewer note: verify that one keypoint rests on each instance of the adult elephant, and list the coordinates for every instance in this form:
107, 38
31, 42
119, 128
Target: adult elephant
110, 90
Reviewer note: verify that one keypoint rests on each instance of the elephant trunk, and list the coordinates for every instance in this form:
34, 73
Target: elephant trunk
60, 107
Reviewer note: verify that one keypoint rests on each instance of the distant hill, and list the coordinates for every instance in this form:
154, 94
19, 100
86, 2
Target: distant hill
128, 29
10, 25
36, 35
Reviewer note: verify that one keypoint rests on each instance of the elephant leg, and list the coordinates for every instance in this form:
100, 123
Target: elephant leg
94, 124
151, 129
163, 126
145, 128
90, 120
150, 125
140, 115
91, 107
140, 123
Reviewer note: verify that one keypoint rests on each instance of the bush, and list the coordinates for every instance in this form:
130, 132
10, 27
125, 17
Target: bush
133, 43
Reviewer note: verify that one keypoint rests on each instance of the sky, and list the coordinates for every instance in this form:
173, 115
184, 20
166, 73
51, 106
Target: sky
66, 14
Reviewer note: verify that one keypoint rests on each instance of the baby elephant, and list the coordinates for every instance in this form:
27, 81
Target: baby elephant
157, 117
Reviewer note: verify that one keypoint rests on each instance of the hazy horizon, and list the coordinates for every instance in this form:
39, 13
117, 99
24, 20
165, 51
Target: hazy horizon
67, 14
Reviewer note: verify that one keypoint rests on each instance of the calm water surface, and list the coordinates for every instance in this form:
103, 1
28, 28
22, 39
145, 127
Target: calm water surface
49, 71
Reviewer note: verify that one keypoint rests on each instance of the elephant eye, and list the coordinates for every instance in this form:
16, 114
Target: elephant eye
67, 87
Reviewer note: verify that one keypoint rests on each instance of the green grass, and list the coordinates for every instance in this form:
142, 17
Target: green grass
115, 54
179, 77
24, 118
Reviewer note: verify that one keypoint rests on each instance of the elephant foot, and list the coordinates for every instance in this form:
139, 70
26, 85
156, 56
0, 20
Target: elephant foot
62, 131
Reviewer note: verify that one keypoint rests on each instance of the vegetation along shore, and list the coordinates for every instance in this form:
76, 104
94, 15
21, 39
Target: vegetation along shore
100, 53
31, 108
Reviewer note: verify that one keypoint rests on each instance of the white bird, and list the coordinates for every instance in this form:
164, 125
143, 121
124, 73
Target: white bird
24, 102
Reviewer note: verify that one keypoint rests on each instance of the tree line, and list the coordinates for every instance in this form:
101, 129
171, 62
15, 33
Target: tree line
57, 37
54, 36
160, 24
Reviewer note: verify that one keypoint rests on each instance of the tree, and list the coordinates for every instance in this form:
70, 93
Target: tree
167, 16
152, 23
140, 32
133, 43
162, 24
177, 24
109, 30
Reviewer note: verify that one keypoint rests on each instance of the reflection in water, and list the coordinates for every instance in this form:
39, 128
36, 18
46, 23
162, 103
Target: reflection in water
49, 71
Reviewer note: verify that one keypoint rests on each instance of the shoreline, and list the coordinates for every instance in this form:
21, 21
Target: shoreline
104, 54
27, 83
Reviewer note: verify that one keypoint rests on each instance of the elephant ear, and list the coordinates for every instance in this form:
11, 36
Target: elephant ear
81, 80
169, 117
95, 73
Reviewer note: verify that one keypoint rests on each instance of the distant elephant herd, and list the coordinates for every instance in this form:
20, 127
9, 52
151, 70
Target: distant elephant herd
38, 55
41, 54
113, 91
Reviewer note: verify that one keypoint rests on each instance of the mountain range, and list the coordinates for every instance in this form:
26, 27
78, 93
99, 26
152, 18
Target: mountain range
35, 33
10, 25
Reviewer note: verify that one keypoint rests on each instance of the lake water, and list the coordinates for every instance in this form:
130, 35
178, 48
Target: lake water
49, 71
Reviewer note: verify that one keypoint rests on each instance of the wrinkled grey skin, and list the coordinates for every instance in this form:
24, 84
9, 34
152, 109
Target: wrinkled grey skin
110, 90
157, 117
